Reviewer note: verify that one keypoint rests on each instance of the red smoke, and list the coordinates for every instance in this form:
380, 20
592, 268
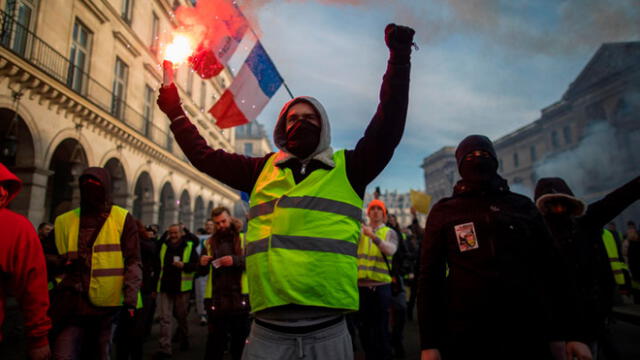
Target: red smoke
213, 24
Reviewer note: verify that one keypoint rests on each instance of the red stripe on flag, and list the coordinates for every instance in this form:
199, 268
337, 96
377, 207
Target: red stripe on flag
227, 113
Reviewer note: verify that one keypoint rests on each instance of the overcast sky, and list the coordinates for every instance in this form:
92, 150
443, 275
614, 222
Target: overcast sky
485, 67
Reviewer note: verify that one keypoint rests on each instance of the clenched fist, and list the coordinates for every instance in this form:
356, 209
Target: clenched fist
399, 39
169, 101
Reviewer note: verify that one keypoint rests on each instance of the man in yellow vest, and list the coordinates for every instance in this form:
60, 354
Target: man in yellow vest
226, 294
618, 267
100, 270
376, 247
305, 212
178, 262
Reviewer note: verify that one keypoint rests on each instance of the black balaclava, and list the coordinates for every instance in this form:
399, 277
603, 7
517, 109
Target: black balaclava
478, 169
303, 138
95, 195
92, 195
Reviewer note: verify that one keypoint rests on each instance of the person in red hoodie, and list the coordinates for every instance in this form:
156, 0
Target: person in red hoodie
23, 272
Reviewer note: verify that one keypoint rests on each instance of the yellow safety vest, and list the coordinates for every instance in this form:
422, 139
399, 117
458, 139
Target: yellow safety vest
617, 266
302, 239
107, 263
244, 285
371, 264
186, 278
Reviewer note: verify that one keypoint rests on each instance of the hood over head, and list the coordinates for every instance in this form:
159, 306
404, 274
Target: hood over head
323, 151
11, 184
550, 189
95, 198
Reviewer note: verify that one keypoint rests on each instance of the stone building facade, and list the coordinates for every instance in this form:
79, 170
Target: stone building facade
587, 137
398, 204
78, 88
440, 173
252, 140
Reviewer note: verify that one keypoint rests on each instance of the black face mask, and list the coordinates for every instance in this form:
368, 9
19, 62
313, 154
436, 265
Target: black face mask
92, 198
478, 169
303, 138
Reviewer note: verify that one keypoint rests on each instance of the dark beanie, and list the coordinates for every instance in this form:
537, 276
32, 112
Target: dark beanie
473, 143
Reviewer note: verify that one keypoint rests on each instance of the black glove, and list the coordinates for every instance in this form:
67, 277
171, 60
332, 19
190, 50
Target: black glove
399, 40
169, 101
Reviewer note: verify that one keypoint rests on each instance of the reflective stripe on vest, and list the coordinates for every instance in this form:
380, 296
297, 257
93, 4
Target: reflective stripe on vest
614, 259
186, 278
244, 285
302, 238
371, 264
107, 263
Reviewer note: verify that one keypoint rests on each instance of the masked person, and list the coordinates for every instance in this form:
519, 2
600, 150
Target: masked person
100, 270
496, 301
578, 231
226, 294
301, 253
23, 273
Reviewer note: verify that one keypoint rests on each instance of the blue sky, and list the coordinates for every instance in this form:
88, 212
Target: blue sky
484, 67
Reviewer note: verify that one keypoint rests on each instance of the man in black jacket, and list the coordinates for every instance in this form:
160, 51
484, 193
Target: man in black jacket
226, 294
577, 231
495, 302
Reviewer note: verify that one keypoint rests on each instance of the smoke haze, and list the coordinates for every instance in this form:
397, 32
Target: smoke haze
594, 165
547, 27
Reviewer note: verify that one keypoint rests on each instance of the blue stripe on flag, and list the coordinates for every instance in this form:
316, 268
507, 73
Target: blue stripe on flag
264, 70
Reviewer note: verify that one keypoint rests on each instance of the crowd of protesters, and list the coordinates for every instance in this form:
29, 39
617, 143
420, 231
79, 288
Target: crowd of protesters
493, 274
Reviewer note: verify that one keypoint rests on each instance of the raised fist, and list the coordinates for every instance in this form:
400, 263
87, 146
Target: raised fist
169, 101
398, 37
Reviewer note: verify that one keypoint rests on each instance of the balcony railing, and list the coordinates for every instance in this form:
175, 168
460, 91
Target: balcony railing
19, 40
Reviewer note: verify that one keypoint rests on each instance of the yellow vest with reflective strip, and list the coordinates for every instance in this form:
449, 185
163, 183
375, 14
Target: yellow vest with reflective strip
371, 265
614, 259
244, 285
107, 263
302, 239
186, 279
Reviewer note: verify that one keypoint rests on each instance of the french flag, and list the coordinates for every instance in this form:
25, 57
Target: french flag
256, 82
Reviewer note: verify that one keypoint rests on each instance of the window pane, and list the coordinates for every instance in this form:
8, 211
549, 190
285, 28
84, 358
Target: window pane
79, 57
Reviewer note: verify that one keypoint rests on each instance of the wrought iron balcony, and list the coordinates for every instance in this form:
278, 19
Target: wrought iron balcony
19, 40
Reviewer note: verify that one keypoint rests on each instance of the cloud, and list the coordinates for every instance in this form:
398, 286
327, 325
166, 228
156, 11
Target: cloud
542, 27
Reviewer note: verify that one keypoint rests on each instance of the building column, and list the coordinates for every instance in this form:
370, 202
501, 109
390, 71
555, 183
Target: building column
123, 200
150, 210
30, 202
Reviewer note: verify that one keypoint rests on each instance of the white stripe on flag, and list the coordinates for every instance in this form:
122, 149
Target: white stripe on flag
248, 96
